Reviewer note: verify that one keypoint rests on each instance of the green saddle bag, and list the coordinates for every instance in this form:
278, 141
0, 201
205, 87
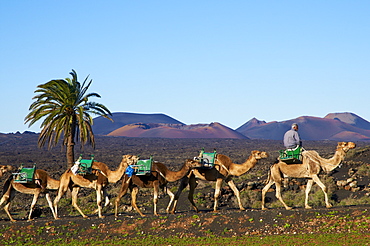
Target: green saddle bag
207, 159
25, 174
142, 167
291, 156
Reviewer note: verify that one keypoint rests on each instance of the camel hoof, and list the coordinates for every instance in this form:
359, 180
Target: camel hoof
329, 206
102, 217
264, 208
308, 207
242, 209
289, 208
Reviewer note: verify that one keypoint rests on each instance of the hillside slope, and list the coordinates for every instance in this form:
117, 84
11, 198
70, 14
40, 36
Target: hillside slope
338, 127
152, 130
103, 126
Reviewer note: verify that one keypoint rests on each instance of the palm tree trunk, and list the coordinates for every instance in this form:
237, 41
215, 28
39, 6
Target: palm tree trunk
71, 145
70, 152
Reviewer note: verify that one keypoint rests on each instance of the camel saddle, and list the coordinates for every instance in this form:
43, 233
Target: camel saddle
142, 167
83, 166
207, 159
25, 174
291, 156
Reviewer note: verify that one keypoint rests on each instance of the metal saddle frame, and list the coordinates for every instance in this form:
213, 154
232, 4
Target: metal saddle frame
25, 174
207, 159
291, 156
142, 167
85, 165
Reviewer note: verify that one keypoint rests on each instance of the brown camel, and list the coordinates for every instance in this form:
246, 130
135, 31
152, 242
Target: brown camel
98, 180
224, 170
4, 169
312, 164
42, 183
158, 179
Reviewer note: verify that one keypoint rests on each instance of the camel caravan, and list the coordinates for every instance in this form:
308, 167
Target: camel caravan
135, 173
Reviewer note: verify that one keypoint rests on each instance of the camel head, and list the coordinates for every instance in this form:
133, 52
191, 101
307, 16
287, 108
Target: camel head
191, 163
345, 146
4, 169
259, 154
128, 160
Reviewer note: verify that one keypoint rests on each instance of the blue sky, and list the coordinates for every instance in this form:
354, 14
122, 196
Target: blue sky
196, 61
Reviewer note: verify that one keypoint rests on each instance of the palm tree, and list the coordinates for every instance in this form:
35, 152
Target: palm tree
65, 109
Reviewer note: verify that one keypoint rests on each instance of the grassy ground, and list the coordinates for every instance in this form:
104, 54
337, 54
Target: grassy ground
322, 239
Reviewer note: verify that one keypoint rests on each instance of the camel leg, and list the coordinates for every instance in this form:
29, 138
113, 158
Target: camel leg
217, 193
278, 195
308, 189
155, 196
33, 203
183, 184
106, 197
122, 192
172, 197
6, 199
75, 191
47, 196
264, 191
324, 189
237, 193
62, 189
134, 192
99, 201
192, 185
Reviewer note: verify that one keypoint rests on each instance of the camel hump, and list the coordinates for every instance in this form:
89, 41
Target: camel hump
100, 165
224, 160
159, 166
40, 172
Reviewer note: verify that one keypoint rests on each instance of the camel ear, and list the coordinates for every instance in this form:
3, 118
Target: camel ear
9, 168
256, 153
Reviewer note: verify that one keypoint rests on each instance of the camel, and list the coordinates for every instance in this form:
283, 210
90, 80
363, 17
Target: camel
158, 179
4, 169
224, 170
310, 168
42, 183
98, 180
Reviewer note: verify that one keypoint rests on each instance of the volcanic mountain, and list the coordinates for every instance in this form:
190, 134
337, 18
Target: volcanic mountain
337, 127
150, 130
334, 126
103, 126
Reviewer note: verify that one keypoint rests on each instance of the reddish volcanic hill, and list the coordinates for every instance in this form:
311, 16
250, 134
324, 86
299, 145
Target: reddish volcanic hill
158, 130
103, 126
351, 119
334, 126
338, 127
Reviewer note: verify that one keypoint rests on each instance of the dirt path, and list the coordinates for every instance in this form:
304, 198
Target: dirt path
226, 223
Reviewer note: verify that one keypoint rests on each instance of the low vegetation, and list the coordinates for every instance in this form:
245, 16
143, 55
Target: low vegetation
329, 227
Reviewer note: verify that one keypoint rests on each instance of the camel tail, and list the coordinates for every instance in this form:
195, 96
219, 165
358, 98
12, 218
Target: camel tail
7, 184
268, 177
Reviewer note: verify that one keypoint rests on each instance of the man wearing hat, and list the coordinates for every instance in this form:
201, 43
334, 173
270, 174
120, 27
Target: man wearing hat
291, 138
